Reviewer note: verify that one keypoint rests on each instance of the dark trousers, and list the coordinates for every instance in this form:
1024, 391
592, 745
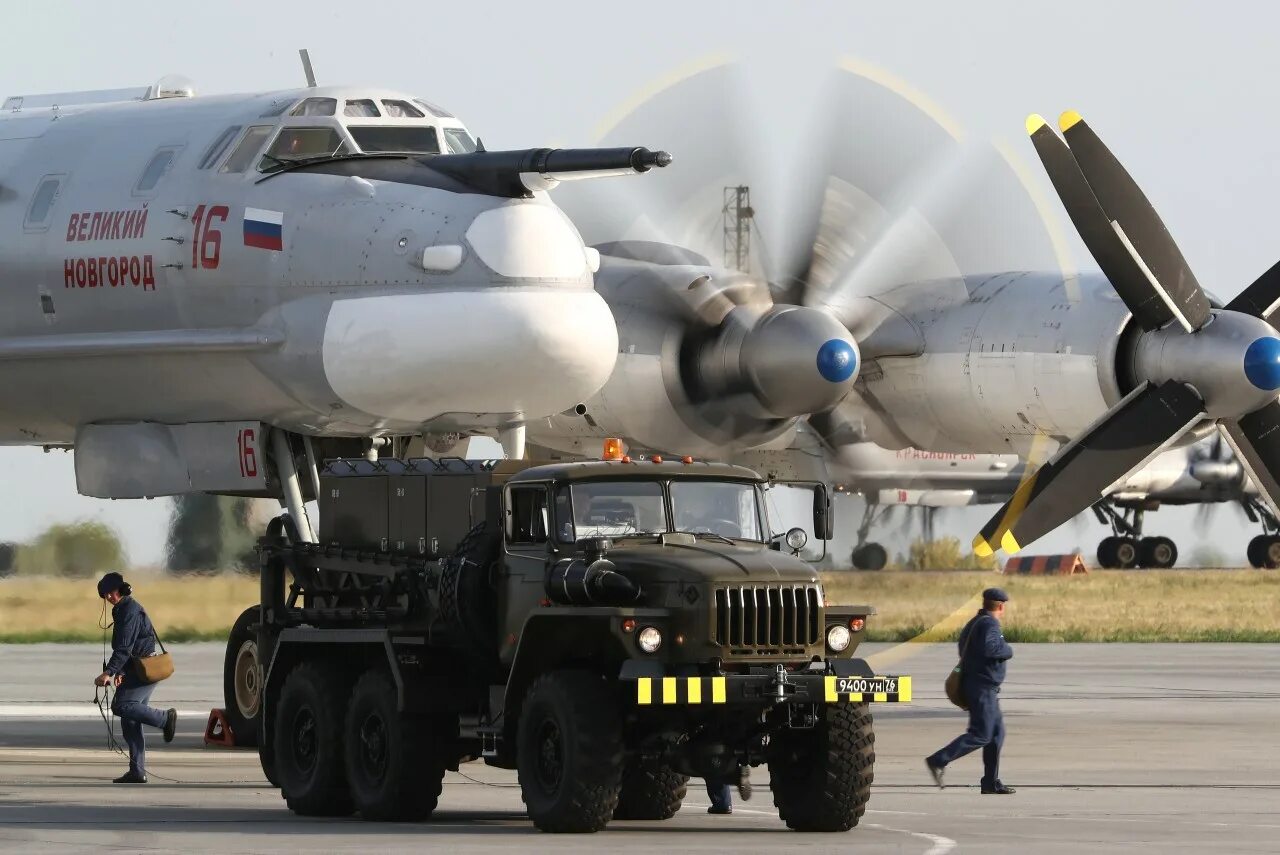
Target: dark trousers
986, 731
721, 795
130, 706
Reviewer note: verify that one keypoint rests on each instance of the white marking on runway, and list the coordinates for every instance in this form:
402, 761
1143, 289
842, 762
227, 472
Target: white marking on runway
938, 845
88, 709
941, 845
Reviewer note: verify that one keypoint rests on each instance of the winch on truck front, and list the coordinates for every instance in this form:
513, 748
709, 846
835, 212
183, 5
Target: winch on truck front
608, 629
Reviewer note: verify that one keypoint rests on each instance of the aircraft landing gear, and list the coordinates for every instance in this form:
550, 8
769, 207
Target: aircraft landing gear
870, 556
1264, 550
1127, 548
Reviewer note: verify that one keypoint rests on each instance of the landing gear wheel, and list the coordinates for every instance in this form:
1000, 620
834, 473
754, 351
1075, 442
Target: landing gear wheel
1107, 553
1126, 553
821, 778
395, 763
870, 556
1157, 552
308, 742
242, 678
650, 791
569, 752
1271, 552
1257, 551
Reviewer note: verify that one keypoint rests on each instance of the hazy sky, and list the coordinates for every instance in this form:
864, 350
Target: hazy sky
1184, 92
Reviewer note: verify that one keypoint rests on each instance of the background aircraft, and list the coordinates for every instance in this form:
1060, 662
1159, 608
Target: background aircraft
1204, 474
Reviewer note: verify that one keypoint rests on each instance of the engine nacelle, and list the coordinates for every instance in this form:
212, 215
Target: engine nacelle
1006, 358
707, 364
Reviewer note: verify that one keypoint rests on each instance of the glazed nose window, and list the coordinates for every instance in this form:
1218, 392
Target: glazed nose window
299, 143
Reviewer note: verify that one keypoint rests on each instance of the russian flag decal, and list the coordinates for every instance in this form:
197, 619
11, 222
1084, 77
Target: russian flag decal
264, 229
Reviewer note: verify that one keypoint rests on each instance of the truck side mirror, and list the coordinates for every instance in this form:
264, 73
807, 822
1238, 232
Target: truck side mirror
823, 514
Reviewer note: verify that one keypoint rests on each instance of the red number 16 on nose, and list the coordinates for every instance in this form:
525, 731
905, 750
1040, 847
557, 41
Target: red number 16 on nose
206, 242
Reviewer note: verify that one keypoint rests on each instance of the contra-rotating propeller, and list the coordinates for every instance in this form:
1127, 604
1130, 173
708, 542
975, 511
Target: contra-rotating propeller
877, 192
1190, 363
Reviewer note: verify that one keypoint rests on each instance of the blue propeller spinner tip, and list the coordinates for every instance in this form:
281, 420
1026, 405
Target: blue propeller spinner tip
837, 360
1261, 363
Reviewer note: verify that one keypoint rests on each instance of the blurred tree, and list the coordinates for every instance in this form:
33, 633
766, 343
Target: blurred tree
78, 550
211, 533
944, 553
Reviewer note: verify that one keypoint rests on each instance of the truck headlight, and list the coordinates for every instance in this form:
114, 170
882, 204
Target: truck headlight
838, 637
650, 639
796, 539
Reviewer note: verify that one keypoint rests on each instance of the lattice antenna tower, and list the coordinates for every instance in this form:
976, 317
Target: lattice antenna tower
737, 214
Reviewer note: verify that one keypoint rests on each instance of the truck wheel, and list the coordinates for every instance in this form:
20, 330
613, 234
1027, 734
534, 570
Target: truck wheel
242, 678
821, 778
308, 743
569, 752
392, 761
650, 791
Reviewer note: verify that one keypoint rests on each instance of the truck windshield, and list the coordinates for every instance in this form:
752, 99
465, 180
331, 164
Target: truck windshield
615, 509
725, 508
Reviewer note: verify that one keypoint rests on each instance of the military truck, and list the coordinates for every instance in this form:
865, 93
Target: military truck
606, 628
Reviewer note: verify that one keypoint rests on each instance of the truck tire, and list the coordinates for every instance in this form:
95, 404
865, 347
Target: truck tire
308, 756
821, 778
569, 752
467, 599
242, 678
393, 763
650, 791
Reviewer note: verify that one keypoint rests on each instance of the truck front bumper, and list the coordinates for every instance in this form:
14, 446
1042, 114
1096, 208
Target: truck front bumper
763, 690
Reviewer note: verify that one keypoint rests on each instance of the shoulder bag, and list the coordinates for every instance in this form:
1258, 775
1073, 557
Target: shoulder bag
157, 666
955, 693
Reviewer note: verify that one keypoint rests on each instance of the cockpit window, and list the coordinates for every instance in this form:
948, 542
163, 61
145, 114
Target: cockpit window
439, 112
218, 146
396, 138
397, 109
361, 108
316, 107
460, 142
156, 169
244, 154
296, 143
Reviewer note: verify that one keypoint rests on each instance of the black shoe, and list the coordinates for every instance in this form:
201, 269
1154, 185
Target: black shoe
130, 777
936, 772
720, 811
170, 724
998, 790
744, 783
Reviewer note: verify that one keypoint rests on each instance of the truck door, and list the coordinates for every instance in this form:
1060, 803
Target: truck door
522, 579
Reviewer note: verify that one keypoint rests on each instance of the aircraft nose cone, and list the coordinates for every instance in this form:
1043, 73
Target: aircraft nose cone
1262, 363
801, 361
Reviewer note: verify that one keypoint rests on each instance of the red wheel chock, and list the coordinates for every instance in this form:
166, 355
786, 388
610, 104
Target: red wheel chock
218, 731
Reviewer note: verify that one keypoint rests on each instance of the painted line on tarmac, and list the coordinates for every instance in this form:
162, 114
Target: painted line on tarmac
88, 709
938, 845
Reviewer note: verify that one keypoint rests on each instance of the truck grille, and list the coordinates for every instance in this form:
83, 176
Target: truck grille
767, 616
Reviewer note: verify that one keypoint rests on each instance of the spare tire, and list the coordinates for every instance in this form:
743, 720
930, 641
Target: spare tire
468, 599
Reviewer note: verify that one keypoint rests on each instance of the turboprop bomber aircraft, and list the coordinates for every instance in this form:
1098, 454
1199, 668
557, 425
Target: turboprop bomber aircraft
181, 272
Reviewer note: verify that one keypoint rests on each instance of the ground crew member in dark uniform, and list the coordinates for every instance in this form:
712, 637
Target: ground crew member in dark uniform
720, 791
132, 637
982, 667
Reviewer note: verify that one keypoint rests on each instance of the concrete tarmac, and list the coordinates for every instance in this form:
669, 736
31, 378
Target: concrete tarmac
1113, 748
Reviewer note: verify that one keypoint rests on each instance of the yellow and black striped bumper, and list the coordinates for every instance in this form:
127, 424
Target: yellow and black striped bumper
761, 689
